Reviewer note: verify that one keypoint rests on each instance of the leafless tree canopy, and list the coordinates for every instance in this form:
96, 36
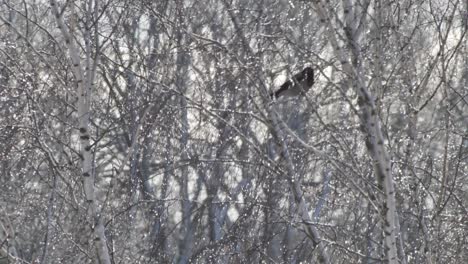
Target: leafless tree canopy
144, 131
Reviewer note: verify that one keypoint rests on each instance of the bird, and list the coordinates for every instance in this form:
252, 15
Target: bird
299, 84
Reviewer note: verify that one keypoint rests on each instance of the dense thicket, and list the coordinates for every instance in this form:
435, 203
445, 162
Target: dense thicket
143, 132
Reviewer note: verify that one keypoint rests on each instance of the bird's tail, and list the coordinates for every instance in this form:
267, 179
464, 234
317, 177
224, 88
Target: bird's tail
274, 95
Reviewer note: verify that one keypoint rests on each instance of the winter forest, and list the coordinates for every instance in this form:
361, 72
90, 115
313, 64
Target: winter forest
145, 132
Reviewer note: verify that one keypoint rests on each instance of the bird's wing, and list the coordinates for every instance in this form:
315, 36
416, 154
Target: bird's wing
300, 83
305, 80
284, 87
299, 77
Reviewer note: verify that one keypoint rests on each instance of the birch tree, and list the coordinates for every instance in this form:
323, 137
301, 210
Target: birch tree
84, 74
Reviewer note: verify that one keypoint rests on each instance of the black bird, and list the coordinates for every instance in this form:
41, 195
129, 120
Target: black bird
299, 84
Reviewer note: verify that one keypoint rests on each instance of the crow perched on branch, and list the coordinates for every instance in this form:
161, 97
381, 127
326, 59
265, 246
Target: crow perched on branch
299, 84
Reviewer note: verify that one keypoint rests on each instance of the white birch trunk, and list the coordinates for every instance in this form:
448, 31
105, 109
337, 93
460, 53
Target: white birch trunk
85, 85
373, 131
